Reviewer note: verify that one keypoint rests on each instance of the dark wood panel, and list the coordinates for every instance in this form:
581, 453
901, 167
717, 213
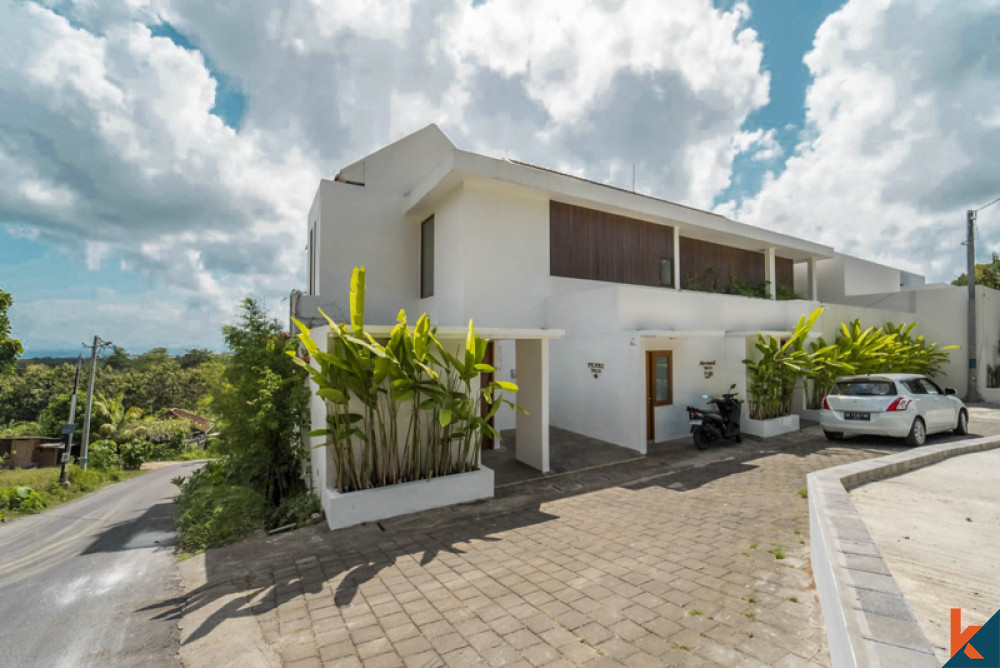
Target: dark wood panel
783, 268
714, 266
584, 243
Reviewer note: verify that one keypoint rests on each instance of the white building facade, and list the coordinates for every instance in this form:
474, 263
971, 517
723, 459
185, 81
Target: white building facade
615, 278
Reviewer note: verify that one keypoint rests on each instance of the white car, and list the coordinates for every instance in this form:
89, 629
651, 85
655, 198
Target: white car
902, 405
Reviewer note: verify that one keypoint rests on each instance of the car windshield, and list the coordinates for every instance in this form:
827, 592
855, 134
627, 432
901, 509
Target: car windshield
864, 388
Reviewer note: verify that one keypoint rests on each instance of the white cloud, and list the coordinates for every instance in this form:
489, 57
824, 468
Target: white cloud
108, 141
900, 138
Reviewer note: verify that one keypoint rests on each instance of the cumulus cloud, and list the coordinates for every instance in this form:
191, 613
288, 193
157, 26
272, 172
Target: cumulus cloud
109, 145
901, 135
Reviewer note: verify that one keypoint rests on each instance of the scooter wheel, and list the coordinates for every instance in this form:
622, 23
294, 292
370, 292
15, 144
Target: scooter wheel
702, 439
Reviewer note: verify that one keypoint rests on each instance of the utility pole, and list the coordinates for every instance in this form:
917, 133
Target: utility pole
70, 426
90, 401
972, 395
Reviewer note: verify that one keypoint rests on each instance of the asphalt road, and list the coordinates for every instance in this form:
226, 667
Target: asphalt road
90, 583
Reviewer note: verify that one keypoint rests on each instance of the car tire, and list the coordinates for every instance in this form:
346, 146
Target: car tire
962, 428
918, 433
833, 435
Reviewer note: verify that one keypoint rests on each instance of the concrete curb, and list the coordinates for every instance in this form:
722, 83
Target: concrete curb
868, 622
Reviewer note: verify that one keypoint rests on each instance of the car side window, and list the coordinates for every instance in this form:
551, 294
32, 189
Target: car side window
914, 386
929, 386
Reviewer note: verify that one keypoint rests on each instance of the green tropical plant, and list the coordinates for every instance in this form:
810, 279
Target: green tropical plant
888, 349
119, 424
771, 379
103, 455
400, 409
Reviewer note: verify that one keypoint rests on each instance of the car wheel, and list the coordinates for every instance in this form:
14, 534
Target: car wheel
702, 438
833, 435
962, 428
918, 433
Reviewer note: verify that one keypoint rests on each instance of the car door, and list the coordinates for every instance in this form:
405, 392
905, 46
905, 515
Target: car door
923, 403
941, 411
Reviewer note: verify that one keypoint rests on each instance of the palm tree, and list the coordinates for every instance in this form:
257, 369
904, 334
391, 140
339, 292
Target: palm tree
120, 424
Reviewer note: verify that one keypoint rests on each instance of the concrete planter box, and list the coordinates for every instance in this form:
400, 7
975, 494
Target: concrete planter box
808, 414
769, 428
990, 394
371, 505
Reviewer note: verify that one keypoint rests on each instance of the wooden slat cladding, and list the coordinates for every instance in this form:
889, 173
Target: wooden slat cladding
784, 271
584, 243
714, 265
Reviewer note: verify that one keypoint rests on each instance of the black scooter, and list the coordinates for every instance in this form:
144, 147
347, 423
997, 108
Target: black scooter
708, 426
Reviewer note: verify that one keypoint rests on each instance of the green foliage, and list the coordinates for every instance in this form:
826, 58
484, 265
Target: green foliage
400, 409
45, 484
297, 510
22, 499
16, 428
771, 379
986, 274
214, 511
10, 348
134, 454
116, 422
786, 292
103, 455
262, 406
888, 349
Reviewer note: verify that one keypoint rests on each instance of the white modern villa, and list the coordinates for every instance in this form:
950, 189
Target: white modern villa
599, 300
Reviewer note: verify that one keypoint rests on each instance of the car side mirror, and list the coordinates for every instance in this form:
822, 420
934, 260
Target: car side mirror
949, 390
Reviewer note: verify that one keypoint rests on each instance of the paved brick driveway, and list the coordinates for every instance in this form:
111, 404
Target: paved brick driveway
683, 558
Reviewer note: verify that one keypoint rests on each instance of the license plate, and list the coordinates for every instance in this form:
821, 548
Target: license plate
695, 423
858, 416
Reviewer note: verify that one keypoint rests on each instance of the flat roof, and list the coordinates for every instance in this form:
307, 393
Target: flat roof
490, 333
691, 222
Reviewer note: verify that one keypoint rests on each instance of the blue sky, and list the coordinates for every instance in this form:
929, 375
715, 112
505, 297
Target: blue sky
164, 170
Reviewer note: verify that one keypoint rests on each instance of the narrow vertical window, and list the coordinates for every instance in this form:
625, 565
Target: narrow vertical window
312, 260
427, 258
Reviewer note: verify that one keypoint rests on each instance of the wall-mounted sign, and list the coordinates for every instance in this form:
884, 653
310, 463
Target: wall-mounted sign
708, 367
595, 368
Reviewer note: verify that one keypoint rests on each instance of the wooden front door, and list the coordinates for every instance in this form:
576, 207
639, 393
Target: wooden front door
659, 386
484, 406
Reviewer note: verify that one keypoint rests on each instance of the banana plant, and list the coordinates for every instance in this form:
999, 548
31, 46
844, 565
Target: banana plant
365, 382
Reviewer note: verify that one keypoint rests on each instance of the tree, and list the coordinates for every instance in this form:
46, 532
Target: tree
118, 423
10, 348
195, 357
262, 406
986, 274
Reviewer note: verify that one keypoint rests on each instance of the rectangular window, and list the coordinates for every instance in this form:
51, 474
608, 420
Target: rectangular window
312, 260
427, 258
667, 272
661, 368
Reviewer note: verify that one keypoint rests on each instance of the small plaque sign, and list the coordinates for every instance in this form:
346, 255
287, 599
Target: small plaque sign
596, 368
68, 428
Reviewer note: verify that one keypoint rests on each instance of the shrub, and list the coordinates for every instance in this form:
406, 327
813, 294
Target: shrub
134, 454
23, 499
87, 480
212, 511
297, 510
103, 455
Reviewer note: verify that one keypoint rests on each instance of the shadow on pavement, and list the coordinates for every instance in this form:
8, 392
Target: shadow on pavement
153, 529
262, 574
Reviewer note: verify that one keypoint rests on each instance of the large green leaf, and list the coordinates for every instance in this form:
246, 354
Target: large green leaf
358, 300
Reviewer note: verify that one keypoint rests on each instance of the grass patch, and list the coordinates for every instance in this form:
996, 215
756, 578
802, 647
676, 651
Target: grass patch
686, 648
48, 493
753, 546
749, 614
693, 612
793, 599
777, 552
804, 493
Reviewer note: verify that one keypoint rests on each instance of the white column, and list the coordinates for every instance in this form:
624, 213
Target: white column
770, 273
677, 259
532, 446
811, 286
